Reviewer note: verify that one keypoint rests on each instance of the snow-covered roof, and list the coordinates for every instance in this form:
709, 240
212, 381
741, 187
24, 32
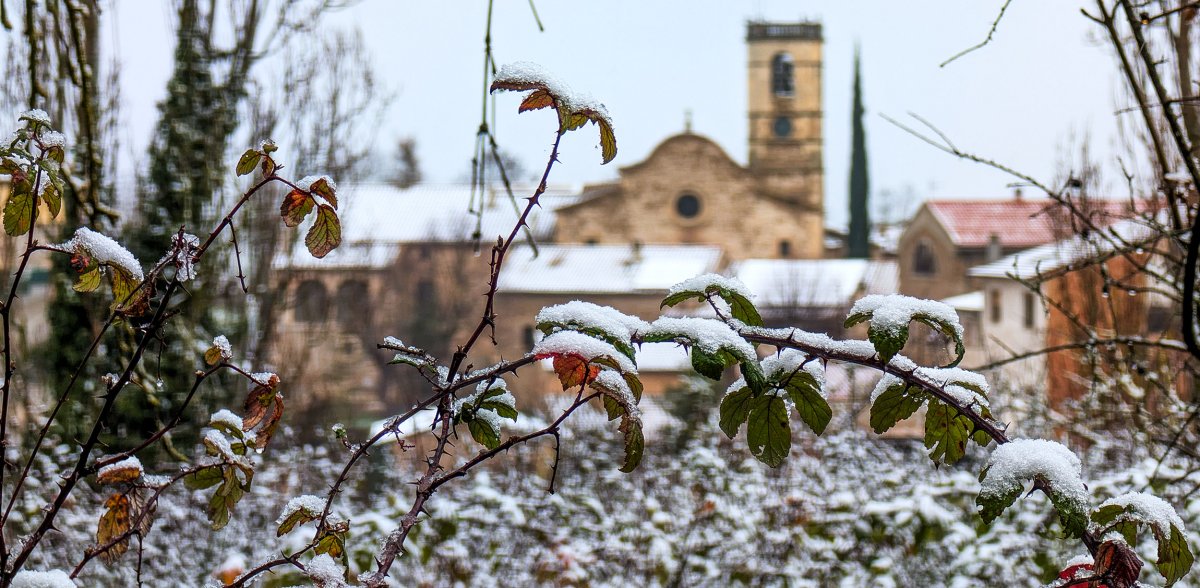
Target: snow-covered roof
814, 282
1029, 263
377, 218
1017, 222
971, 301
604, 269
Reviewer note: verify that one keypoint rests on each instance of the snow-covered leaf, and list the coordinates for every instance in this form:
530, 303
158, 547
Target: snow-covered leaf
1050, 464
1127, 513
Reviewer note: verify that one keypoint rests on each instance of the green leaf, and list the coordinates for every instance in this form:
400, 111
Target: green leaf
895, 404
741, 308
888, 342
1071, 513
205, 478
1175, 558
991, 506
805, 393
981, 437
325, 234
709, 365
484, 433
856, 318
678, 297
767, 430
88, 281
123, 286
612, 407
18, 212
946, 329
53, 197
247, 162
735, 409
754, 376
635, 385
635, 443
220, 506
946, 433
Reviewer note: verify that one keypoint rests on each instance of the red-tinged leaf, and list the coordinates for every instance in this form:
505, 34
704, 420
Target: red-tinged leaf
322, 188
113, 523
516, 86
296, 205
325, 234
573, 371
538, 99
264, 409
268, 166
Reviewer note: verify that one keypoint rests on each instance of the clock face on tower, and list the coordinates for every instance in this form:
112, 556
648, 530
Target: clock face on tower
782, 126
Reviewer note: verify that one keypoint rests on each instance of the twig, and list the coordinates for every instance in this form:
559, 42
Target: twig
986, 40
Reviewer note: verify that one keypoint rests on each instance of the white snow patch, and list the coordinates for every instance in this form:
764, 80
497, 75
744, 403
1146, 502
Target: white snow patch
326, 572
311, 505
222, 343
1012, 463
306, 182
1149, 509
708, 334
127, 463
589, 348
524, 72
227, 418
891, 312
47, 579
36, 115
105, 250
607, 319
703, 282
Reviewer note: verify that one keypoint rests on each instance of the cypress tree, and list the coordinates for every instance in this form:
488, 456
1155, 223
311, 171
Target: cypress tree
859, 244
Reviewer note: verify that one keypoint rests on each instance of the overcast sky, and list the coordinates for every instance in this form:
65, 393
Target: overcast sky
1043, 80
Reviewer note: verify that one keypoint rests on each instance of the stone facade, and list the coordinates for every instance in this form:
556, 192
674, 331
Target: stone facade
689, 191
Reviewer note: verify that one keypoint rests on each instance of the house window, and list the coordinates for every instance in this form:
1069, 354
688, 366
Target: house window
1029, 310
353, 304
529, 337
785, 248
311, 302
782, 79
923, 261
688, 206
995, 306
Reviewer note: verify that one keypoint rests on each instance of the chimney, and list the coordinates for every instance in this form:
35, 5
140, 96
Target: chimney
994, 249
1017, 194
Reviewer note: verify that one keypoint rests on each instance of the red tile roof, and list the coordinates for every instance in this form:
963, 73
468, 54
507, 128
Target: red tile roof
1018, 223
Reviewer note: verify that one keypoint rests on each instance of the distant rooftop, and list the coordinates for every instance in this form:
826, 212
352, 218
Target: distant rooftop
781, 30
1017, 222
829, 283
605, 269
1030, 263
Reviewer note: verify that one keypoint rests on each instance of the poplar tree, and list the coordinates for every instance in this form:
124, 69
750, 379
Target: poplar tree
859, 244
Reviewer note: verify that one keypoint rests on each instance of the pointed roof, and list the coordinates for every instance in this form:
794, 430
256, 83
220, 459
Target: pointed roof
1018, 222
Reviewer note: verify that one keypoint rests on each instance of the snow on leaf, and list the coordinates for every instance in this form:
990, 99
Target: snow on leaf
297, 511
890, 314
1127, 512
105, 251
219, 351
731, 290
574, 110
1056, 467
126, 470
325, 234
603, 322
325, 572
323, 186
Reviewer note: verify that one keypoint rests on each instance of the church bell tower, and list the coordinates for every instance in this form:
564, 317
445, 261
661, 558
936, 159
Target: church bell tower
785, 111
